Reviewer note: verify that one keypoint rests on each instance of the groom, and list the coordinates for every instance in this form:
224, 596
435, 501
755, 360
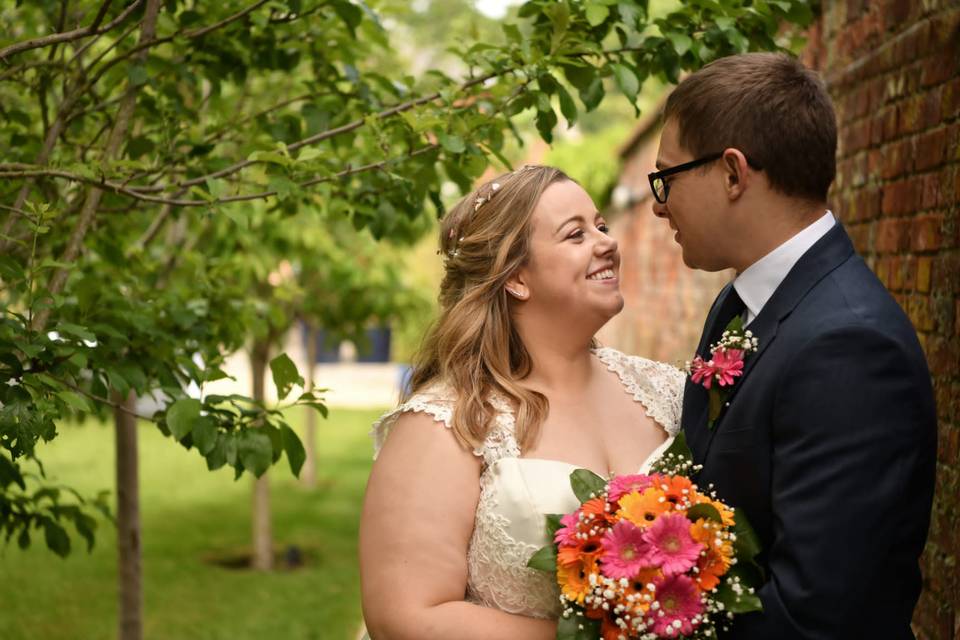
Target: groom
828, 439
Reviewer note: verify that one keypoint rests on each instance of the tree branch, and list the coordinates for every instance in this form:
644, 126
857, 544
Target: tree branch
87, 213
104, 185
68, 36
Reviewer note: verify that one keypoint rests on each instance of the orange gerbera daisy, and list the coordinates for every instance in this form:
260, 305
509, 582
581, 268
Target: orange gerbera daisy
717, 556
574, 579
597, 507
643, 508
631, 596
675, 488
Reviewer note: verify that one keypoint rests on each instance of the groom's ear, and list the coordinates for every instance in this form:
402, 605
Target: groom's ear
735, 173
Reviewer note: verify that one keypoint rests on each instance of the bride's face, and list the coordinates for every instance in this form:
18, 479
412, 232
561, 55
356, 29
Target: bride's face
572, 272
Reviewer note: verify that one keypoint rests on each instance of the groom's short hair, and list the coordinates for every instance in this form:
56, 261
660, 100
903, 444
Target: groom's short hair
770, 107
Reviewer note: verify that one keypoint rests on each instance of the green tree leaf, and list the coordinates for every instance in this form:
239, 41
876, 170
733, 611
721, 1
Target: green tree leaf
254, 450
597, 13
626, 80
285, 374
181, 417
294, 449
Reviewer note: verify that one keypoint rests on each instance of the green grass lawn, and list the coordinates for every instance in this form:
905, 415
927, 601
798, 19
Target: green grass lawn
190, 516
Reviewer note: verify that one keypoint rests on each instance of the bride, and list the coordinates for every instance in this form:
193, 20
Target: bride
510, 393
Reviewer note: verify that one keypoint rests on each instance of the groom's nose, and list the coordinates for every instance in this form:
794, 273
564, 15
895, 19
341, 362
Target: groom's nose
659, 209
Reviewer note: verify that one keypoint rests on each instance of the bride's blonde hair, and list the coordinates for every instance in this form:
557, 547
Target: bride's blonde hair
473, 346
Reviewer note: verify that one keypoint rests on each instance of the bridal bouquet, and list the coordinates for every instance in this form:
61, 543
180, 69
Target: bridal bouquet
650, 556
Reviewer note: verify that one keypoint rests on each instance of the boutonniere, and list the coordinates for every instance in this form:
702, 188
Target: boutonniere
720, 372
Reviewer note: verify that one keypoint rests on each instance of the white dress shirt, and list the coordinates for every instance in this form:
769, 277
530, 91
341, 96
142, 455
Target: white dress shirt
758, 282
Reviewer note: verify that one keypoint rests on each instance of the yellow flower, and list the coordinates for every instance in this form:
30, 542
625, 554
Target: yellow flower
643, 508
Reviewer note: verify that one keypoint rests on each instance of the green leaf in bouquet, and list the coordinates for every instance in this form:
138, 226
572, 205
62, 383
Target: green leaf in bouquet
704, 510
747, 544
738, 599
553, 524
586, 484
577, 627
679, 448
544, 560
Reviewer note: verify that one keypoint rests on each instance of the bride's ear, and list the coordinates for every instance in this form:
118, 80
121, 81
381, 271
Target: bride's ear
517, 287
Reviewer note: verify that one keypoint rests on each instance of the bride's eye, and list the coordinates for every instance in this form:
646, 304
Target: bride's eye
603, 228
576, 235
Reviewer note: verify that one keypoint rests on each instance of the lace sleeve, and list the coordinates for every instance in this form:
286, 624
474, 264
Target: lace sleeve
436, 401
658, 386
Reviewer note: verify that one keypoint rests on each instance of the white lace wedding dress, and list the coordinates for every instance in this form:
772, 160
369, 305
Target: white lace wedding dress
516, 493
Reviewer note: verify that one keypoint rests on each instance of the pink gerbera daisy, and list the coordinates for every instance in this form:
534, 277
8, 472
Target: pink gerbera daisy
701, 372
679, 600
624, 551
566, 535
622, 485
727, 365
672, 548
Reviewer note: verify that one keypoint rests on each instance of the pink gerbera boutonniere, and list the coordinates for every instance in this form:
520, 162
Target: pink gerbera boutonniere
720, 372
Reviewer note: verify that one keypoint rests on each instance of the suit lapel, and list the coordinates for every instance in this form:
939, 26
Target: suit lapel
823, 257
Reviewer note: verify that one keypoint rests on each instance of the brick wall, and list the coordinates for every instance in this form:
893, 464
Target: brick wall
893, 69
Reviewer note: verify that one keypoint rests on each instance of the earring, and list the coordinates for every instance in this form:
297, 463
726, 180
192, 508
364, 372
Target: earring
515, 294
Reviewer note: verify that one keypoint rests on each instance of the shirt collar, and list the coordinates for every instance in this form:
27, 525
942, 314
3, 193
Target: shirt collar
758, 282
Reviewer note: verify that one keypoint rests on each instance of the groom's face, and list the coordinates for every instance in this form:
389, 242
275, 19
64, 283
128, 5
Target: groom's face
695, 204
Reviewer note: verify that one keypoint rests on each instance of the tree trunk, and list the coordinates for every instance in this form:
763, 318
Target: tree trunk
128, 521
309, 472
262, 534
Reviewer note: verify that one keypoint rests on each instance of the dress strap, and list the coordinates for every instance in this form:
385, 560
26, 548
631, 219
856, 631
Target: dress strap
658, 386
438, 401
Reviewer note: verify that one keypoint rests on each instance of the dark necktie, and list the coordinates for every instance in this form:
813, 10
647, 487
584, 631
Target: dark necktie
731, 307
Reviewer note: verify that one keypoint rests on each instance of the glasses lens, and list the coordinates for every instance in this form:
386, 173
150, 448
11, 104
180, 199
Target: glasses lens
660, 190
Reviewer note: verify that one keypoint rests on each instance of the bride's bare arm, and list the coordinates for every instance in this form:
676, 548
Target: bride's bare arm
417, 520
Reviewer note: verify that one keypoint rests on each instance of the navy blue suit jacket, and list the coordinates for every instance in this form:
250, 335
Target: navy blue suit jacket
828, 444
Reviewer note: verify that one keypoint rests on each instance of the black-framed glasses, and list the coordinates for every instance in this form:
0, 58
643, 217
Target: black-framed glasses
660, 187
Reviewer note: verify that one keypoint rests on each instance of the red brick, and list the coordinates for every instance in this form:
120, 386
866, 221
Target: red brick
920, 313
943, 356
946, 274
950, 107
895, 277
930, 192
901, 197
926, 232
938, 69
909, 270
944, 29
909, 115
922, 280
899, 11
860, 236
956, 324
891, 120
897, 158
931, 147
948, 184
932, 105
891, 236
